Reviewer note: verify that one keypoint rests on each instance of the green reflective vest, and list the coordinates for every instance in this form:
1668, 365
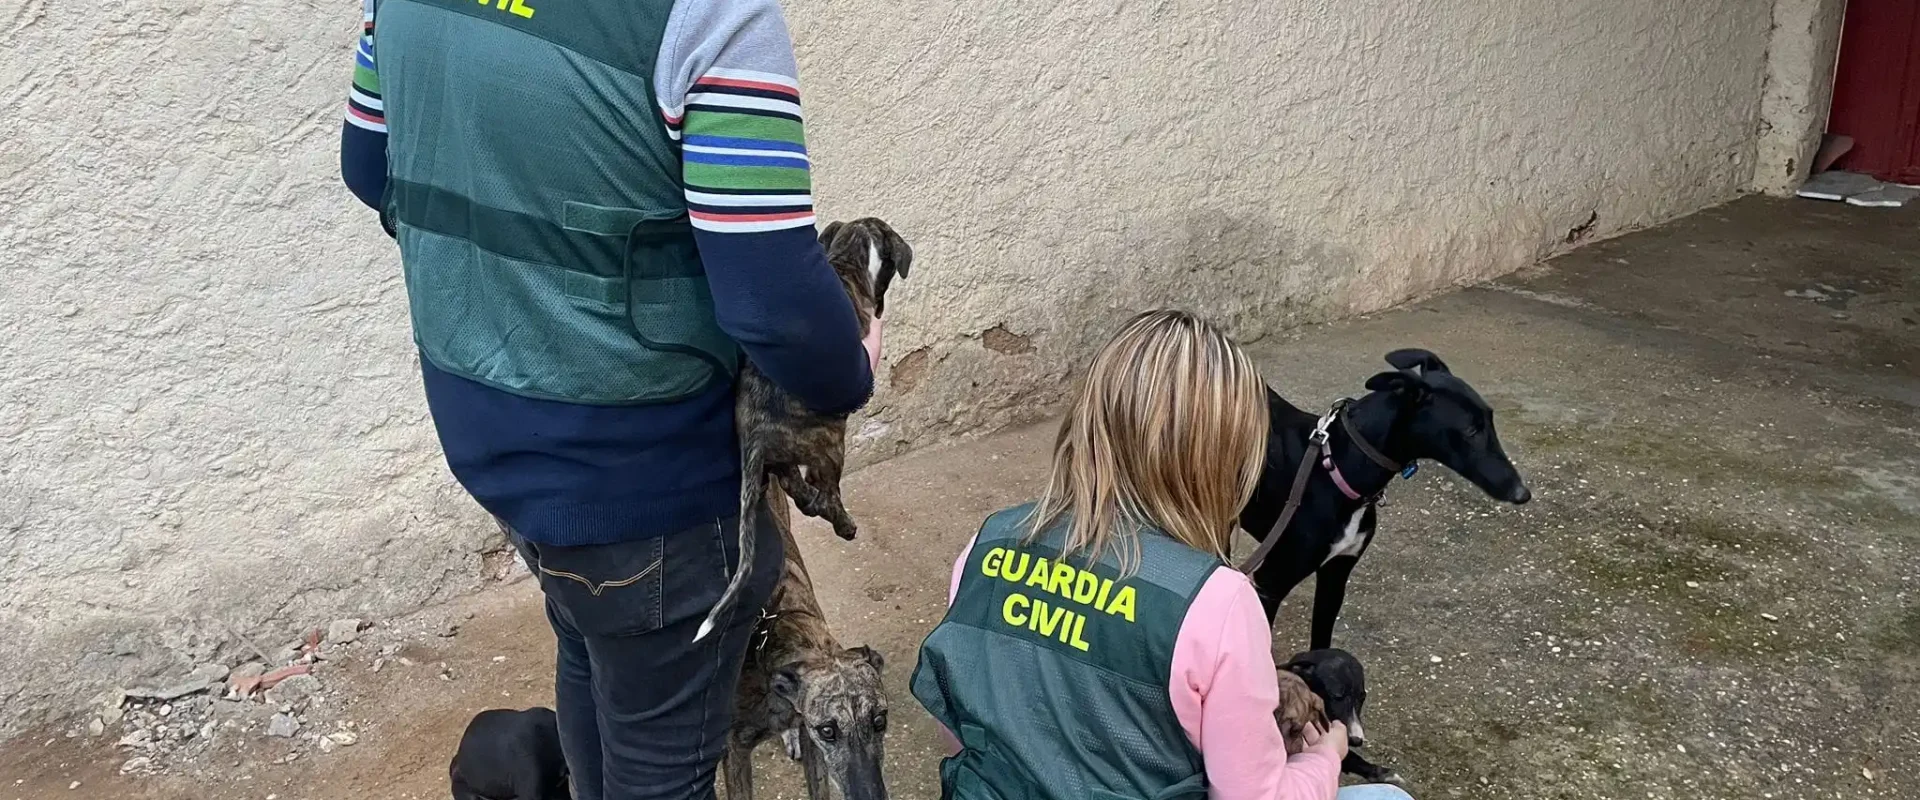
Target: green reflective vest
536, 197
1053, 672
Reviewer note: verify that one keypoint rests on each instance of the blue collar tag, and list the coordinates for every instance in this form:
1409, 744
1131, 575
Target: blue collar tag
1407, 474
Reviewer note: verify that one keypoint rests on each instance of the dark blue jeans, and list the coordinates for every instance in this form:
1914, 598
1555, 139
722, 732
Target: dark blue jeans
644, 711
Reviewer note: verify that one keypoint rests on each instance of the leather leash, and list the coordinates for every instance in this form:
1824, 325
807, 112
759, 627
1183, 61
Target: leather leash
1294, 497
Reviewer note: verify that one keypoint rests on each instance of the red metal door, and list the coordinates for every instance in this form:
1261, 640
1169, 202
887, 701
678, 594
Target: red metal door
1876, 89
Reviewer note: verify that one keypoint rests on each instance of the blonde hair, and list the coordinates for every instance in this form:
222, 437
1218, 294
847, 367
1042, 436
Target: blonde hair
1169, 430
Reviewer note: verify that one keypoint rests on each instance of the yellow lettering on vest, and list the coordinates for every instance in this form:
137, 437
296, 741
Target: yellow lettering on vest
1042, 570
1062, 582
1078, 641
1046, 619
519, 8
1014, 611
1085, 585
990, 563
1014, 567
1106, 585
1122, 604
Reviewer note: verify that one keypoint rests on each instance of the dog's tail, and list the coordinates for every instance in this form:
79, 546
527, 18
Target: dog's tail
753, 486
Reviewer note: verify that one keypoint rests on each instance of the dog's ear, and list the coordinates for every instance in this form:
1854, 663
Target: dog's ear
1416, 361
829, 233
894, 250
1404, 384
871, 656
785, 683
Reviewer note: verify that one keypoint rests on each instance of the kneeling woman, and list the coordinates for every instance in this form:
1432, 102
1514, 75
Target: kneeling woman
1097, 646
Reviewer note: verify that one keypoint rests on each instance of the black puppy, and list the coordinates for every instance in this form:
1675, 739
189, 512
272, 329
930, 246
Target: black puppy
510, 755
1337, 677
1418, 411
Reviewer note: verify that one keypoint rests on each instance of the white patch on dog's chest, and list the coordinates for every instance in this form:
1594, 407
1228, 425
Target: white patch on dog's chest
1351, 538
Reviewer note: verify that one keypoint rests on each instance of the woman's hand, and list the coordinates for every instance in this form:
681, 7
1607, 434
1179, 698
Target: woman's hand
1333, 741
872, 343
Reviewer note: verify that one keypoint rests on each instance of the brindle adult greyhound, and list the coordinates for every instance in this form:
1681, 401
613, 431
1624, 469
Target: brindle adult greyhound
825, 702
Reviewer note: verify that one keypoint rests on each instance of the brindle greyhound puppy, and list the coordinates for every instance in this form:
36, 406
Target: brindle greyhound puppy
1299, 710
784, 440
825, 702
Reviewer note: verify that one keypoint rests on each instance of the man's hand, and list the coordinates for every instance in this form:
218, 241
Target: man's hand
1333, 742
872, 343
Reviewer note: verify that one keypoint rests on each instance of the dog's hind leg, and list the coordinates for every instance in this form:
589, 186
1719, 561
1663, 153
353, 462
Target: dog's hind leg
806, 496
1329, 593
826, 481
738, 767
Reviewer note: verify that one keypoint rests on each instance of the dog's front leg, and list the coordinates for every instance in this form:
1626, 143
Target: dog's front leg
1356, 764
738, 766
1329, 593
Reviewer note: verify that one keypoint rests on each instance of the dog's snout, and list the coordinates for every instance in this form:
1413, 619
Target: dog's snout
1356, 735
1520, 495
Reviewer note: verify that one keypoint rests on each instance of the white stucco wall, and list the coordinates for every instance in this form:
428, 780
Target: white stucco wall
1805, 44
209, 420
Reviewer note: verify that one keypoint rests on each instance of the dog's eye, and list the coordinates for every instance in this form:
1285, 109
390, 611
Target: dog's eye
827, 732
880, 721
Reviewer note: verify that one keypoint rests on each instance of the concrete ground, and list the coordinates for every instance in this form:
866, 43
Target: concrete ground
1713, 595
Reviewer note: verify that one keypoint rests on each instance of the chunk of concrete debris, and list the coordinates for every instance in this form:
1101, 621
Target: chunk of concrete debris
336, 740
345, 631
135, 764
96, 727
283, 726
294, 690
140, 737
211, 673
111, 698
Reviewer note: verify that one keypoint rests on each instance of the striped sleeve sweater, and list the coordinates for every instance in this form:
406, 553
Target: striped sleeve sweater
565, 474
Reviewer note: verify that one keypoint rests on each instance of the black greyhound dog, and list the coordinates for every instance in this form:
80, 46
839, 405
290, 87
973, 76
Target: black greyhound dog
1326, 518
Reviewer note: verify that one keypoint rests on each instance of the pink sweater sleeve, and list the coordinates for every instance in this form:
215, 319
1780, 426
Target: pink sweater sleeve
1225, 691
953, 588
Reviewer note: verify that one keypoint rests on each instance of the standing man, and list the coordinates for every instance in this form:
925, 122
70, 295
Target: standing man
600, 205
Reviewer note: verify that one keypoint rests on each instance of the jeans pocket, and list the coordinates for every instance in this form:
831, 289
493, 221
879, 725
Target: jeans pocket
609, 589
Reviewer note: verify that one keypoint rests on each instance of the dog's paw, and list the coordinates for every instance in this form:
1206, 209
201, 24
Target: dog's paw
791, 738
1389, 776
